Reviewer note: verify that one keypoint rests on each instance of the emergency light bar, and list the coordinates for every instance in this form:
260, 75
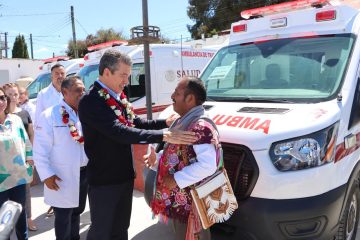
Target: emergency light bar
239, 28
106, 44
326, 16
55, 59
282, 7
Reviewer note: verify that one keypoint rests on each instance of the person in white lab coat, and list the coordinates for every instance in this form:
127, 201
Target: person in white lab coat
61, 161
51, 95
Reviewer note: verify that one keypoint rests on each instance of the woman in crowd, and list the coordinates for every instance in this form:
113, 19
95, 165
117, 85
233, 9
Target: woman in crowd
15, 151
12, 91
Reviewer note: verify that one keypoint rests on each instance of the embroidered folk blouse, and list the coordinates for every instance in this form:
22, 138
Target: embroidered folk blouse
15, 150
179, 160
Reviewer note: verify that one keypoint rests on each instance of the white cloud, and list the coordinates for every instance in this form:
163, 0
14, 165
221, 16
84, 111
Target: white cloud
44, 49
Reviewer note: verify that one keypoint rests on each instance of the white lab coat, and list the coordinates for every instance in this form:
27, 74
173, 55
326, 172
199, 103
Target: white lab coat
46, 98
55, 152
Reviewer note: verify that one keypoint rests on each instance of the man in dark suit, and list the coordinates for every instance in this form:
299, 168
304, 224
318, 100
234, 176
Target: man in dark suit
109, 128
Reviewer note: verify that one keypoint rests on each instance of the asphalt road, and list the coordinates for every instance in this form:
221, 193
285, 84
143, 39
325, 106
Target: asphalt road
142, 226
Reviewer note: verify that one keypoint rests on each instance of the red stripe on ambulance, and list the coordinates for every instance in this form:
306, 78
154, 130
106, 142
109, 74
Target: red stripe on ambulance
256, 124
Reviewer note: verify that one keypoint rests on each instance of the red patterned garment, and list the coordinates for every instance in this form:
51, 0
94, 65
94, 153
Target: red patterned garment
177, 203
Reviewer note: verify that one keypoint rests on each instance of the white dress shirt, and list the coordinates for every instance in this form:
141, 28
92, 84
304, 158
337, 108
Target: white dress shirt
55, 152
46, 98
111, 92
202, 168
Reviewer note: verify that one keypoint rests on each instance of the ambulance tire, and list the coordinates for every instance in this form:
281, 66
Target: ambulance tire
350, 218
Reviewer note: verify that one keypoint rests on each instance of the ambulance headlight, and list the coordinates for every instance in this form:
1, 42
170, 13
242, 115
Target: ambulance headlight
304, 152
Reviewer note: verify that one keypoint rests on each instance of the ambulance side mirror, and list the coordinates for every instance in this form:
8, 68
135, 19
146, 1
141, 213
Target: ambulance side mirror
332, 62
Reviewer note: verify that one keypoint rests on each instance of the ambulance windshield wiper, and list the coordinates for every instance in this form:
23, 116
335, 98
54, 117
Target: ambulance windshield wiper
253, 99
272, 100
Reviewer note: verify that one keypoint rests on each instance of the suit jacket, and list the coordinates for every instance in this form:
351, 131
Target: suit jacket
108, 142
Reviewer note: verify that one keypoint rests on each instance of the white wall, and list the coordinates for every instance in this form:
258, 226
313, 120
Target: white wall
18, 68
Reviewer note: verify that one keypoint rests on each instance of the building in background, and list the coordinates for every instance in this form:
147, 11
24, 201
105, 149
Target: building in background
13, 69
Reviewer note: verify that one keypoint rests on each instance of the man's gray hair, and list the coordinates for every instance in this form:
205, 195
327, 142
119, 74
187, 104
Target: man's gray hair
69, 82
111, 59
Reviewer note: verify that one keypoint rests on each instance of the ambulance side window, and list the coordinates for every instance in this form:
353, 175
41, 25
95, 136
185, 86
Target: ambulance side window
136, 87
355, 111
41, 82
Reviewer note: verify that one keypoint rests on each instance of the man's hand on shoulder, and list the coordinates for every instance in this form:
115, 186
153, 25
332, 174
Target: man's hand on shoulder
179, 137
51, 182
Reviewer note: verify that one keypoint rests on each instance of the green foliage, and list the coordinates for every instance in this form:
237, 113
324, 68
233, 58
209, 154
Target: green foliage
20, 48
213, 16
80, 45
101, 36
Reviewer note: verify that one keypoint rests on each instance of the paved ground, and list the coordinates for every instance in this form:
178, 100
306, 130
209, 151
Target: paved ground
142, 226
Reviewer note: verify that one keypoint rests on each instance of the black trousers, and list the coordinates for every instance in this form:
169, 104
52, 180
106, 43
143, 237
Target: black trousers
67, 220
17, 194
110, 210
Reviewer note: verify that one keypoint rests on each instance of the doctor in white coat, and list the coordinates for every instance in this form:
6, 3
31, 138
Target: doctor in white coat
61, 161
51, 95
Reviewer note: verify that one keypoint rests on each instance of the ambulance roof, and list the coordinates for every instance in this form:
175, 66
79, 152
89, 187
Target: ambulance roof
273, 23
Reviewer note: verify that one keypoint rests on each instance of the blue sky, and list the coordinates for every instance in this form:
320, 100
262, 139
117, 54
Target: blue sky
49, 21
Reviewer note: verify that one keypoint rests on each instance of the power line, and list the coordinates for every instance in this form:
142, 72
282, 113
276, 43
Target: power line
61, 27
45, 30
38, 36
81, 26
46, 45
29, 15
45, 41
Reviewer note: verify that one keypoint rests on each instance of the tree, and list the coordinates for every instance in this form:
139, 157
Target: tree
20, 48
81, 47
101, 36
105, 35
213, 16
26, 52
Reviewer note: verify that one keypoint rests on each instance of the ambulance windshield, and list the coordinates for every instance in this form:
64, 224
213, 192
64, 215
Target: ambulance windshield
308, 69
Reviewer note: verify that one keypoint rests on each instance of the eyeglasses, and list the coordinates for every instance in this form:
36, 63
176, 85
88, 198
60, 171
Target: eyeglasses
3, 98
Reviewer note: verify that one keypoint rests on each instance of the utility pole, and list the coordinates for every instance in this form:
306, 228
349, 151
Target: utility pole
6, 45
147, 60
73, 31
1, 48
31, 47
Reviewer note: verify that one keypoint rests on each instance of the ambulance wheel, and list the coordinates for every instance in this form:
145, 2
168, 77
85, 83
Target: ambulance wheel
350, 218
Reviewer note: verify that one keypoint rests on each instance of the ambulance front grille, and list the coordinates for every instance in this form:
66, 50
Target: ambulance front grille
264, 110
241, 168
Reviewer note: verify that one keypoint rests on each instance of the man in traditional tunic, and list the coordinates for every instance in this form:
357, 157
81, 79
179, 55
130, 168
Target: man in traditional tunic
181, 166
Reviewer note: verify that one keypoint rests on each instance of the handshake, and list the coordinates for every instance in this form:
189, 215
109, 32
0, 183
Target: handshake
170, 136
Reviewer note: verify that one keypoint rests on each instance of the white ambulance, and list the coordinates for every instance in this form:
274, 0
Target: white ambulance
168, 63
72, 66
285, 95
